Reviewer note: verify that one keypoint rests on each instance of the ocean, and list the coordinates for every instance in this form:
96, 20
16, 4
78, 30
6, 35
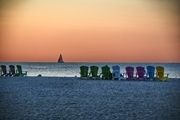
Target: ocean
72, 69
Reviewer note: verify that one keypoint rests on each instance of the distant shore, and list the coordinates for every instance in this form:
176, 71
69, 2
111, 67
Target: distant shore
73, 98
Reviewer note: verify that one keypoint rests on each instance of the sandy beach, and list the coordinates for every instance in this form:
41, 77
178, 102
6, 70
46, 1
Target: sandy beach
69, 98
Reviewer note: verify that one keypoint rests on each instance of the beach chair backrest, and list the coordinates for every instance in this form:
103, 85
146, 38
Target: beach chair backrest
160, 71
116, 71
140, 71
84, 71
4, 70
19, 69
150, 71
106, 72
20, 72
12, 69
94, 71
130, 72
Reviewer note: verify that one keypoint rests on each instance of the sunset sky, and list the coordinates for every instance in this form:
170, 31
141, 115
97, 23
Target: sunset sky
90, 30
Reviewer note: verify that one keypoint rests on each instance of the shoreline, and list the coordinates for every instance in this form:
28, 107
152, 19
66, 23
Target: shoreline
76, 78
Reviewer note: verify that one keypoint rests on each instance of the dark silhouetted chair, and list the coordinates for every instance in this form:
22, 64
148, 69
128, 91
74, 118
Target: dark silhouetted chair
12, 71
4, 71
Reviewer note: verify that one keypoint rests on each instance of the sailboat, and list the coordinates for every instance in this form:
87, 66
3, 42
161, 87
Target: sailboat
60, 60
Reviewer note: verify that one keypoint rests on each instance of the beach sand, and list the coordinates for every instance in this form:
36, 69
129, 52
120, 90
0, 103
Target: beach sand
74, 99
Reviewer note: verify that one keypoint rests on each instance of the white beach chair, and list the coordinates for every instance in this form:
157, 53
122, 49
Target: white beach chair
116, 73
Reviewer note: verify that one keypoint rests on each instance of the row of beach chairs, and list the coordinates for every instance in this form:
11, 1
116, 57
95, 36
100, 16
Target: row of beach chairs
142, 73
12, 71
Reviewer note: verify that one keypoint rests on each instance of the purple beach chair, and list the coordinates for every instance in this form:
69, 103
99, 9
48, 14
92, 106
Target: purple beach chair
130, 73
140, 73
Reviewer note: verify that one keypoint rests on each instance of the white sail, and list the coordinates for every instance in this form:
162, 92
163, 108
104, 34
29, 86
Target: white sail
60, 60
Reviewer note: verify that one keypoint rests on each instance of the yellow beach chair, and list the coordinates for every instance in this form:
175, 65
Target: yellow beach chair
160, 74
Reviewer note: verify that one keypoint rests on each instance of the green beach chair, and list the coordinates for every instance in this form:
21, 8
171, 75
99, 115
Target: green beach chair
20, 72
106, 73
84, 72
94, 72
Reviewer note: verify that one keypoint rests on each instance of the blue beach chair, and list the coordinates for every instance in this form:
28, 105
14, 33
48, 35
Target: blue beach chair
150, 72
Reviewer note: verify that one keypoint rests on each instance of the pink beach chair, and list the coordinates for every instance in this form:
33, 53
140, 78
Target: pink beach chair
141, 73
129, 73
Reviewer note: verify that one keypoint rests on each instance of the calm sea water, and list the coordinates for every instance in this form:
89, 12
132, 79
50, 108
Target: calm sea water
72, 69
